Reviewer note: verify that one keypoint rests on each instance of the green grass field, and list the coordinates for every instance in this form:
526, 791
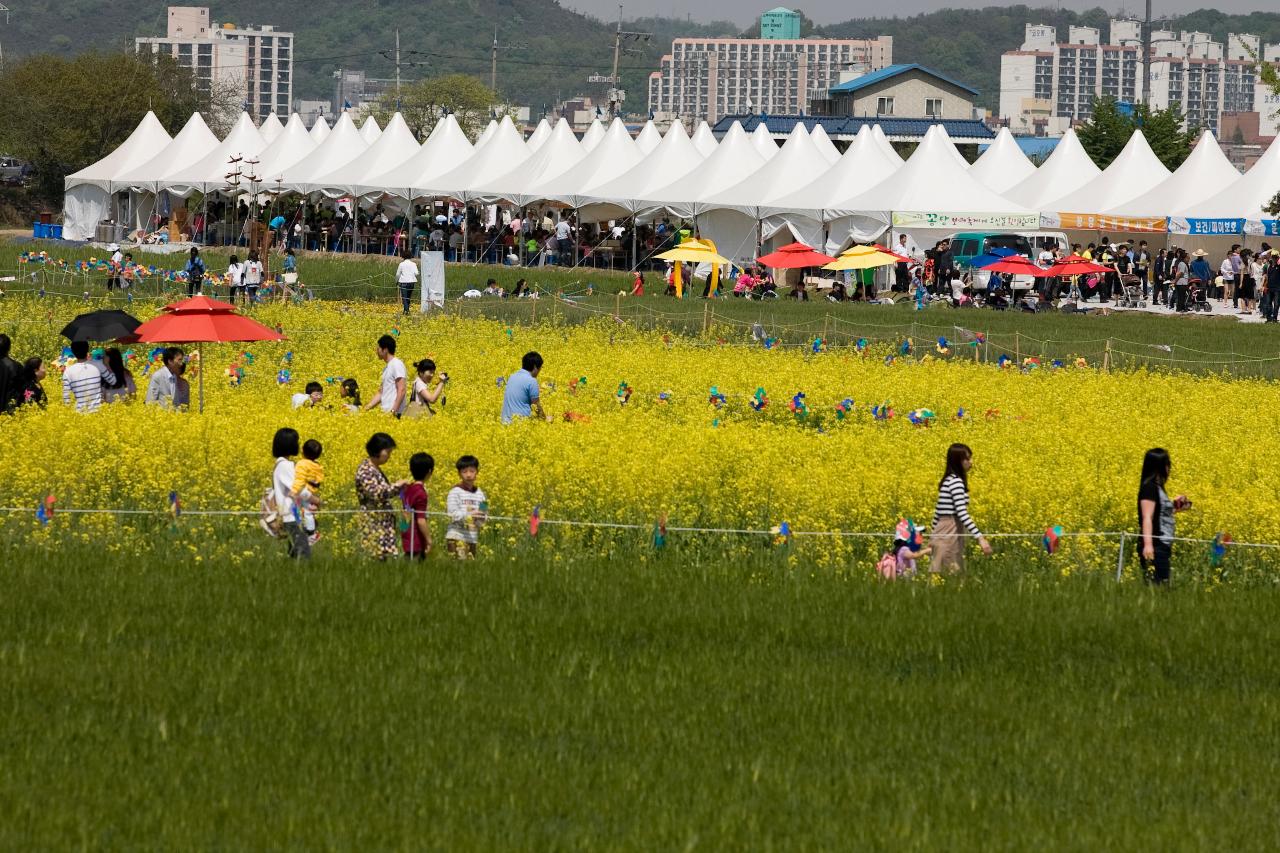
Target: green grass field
163, 703
1193, 344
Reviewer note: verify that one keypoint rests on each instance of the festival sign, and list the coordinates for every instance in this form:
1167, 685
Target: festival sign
1270, 227
1100, 222
1207, 227
959, 221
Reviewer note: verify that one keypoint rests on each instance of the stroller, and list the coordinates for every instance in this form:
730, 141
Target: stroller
1130, 293
1198, 296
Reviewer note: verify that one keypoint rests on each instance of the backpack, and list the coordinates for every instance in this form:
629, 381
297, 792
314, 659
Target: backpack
269, 514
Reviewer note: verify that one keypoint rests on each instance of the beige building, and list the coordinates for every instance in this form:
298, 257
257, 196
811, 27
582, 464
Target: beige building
257, 61
705, 79
899, 91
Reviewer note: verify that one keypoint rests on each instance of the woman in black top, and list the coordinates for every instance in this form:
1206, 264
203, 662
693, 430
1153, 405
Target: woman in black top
32, 391
1155, 516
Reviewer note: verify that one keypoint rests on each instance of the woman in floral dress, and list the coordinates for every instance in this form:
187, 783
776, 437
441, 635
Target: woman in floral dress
378, 536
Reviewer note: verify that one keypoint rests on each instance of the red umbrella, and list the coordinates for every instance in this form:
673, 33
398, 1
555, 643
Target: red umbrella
201, 320
1018, 265
902, 258
795, 256
1076, 265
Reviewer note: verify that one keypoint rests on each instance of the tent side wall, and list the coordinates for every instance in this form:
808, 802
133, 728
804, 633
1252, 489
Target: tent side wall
83, 207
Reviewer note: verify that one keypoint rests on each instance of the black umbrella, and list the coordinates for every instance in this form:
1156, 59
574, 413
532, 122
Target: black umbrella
101, 326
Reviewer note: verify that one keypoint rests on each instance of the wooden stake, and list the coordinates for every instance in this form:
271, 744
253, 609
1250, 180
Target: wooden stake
1106, 356
1017, 348
706, 319
617, 306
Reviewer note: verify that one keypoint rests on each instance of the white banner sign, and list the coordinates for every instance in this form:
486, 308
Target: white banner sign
431, 273
963, 221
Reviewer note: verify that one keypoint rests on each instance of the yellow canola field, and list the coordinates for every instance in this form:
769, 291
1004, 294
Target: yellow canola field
1052, 446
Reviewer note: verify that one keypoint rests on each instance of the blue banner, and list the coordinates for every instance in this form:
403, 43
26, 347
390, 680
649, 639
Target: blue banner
1271, 227
1215, 226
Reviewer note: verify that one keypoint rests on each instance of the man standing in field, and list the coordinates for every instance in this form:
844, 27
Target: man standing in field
521, 398
392, 390
162, 390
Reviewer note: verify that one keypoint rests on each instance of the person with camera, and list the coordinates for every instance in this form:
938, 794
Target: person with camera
1155, 516
424, 397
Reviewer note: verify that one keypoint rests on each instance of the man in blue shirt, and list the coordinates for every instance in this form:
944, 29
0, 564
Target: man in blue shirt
520, 399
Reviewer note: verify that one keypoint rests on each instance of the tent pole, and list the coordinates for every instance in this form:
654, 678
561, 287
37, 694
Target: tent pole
634, 228
200, 350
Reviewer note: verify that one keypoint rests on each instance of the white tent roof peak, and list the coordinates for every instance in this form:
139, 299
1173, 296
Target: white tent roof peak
489, 130
763, 140
290, 146
523, 185
504, 150
194, 141
674, 158
370, 131
864, 164
1135, 170
447, 147
823, 143
320, 130
648, 137
395, 144
1066, 169
209, 173
885, 145
616, 153
1246, 196
735, 158
148, 139
590, 139
798, 163
704, 140
270, 128
539, 135
340, 147
931, 180
1003, 164
1204, 173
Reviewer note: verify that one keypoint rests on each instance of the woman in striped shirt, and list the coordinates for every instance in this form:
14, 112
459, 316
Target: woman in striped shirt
951, 522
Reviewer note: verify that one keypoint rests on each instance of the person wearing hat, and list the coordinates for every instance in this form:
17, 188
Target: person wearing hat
1181, 274
1200, 267
1228, 269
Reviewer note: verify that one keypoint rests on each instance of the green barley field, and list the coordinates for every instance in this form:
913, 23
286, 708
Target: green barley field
675, 704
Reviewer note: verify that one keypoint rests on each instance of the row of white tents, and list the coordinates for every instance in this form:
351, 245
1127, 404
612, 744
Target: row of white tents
741, 189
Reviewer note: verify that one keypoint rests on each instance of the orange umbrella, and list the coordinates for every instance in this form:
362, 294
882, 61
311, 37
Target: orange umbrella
1076, 265
1018, 265
200, 320
795, 256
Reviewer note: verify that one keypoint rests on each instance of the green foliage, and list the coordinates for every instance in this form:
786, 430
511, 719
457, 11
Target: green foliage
62, 114
547, 702
1109, 130
424, 102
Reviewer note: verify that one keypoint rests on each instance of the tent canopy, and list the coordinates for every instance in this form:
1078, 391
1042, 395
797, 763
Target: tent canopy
270, 128
320, 130
673, 159
1067, 169
1135, 170
616, 153
209, 173
394, 145
1205, 171
704, 140
446, 148
502, 151
522, 185
734, 158
339, 148
1003, 164
146, 142
370, 131
590, 139
193, 142
293, 144
539, 135
648, 138
1239, 203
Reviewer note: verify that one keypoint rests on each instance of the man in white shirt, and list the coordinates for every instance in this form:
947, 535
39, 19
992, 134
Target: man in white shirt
164, 382
406, 278
391, 394
902, 270
564, 242
83, 379
117, 261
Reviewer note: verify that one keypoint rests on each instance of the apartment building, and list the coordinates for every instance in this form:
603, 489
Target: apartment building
1048, 84
708, 78
255, 60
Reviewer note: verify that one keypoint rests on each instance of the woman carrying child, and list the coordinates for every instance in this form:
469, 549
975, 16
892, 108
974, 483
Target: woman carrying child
951, 522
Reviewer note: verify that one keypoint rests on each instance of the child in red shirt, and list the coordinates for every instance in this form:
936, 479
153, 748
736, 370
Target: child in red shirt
415, 532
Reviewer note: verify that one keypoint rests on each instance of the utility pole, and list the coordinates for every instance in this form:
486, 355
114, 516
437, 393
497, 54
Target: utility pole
493, 59
616, 93
397, 68
1146, 59
5, 9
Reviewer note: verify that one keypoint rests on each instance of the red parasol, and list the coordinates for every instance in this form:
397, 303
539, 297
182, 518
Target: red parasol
1018, 265
1076, 265
201, 320
795, 256
901, 257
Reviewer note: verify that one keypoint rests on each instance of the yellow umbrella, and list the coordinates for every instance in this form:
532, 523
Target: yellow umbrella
862, 258
694, 251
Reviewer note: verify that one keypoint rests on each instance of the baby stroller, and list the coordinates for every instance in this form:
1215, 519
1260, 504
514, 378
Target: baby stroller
1130, 293
1198, 296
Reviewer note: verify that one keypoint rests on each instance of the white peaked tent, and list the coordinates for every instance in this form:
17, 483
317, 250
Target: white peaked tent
733, 213
369, 131
293, 144
447, 147
394, 146
501, 152
590, 139
885, 145
1135, 170
489, 130
805, 211
539, 135
673, 159
340, 147
320, 130
1242, 200
1203, 174
734, 158
704, 140
1003, 164
88, 191
616, 153
648, 138
270, 128
823, 143
523, 185
209, 173
763, 141
194, 141
1067, 169
930, 191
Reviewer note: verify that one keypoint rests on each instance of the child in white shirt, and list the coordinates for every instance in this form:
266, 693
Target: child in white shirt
467, 508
